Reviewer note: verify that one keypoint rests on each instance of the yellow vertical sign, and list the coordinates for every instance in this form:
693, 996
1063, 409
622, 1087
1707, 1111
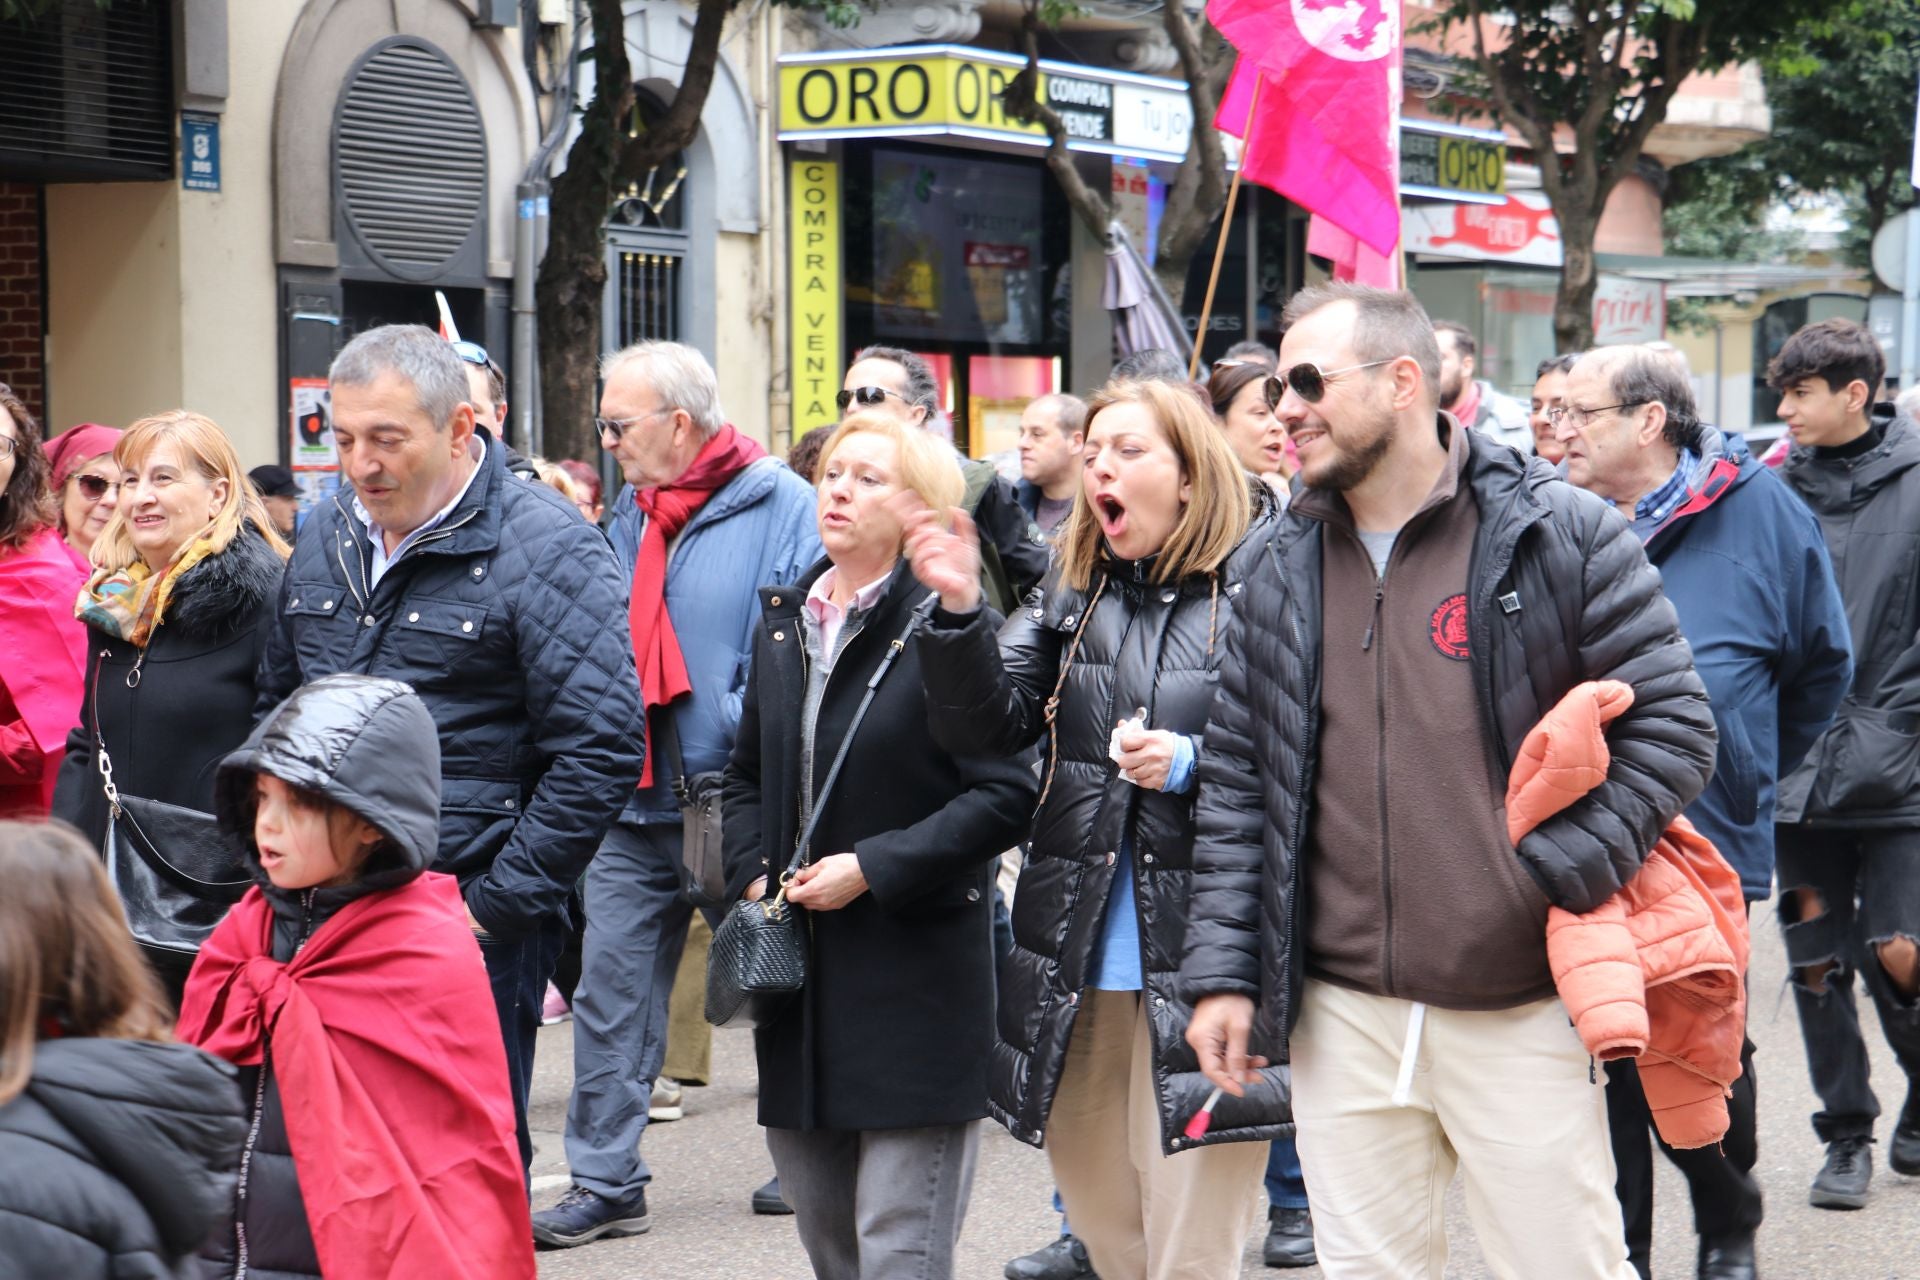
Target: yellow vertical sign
813, 244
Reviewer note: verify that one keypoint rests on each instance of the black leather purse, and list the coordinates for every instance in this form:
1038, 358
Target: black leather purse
759, 956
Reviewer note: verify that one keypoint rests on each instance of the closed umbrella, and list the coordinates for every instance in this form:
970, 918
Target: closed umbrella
1144, 317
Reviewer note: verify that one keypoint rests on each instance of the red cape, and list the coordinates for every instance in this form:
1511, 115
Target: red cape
45, 667
388, 1055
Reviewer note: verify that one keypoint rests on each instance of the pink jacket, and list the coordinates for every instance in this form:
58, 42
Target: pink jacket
1656, 971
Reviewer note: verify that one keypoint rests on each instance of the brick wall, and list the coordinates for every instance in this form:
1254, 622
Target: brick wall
22, 324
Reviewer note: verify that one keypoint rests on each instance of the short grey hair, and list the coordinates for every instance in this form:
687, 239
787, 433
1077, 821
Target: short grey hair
1907, 403
1638, 375
421, 357
1391, 323
679, 375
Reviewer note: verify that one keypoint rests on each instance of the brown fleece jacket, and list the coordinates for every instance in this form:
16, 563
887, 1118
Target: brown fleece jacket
1413, 888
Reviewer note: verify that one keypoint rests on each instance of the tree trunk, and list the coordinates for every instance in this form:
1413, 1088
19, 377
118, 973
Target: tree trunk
1573, 306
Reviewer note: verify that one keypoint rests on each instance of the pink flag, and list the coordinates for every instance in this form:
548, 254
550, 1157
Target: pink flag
1351, 258
1322, 134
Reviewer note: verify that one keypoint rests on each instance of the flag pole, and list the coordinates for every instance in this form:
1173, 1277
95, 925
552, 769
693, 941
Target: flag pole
1226, 226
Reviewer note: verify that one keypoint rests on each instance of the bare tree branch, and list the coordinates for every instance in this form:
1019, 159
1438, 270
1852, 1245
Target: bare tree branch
1022, 102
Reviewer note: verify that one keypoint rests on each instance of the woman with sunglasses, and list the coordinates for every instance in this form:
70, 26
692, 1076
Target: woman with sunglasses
86, 484
1131, 628
45, 647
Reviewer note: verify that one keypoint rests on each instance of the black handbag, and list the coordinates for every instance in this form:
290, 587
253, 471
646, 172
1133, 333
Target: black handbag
758, 960
175, 873
703, 871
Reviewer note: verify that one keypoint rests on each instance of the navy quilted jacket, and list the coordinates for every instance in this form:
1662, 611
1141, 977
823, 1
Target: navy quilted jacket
510, 621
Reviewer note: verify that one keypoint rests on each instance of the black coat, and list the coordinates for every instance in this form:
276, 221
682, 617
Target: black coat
1560, 593
357, 741
115, 1160
1865, 771
1146, 645
191, 704
510, 621
893, 1026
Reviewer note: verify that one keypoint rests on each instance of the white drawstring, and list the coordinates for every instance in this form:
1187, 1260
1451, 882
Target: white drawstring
1403, 1085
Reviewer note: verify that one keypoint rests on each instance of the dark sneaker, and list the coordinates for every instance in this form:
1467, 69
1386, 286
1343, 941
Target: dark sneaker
769, 1202
1728, 1259
1903, 1153
582, 1216
1842, 1180
1289, 1238
1064, 1259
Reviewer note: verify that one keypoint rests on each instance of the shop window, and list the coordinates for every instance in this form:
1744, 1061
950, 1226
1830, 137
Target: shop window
647, 249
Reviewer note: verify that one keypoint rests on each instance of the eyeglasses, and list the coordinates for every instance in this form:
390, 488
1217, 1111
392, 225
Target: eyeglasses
94, 487
471, 352
614, 428
1309, 381
1577, 418
867, 397
7, 446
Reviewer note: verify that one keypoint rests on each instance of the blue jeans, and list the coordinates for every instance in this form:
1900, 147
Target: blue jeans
518, 969
1286, 1187
637, 921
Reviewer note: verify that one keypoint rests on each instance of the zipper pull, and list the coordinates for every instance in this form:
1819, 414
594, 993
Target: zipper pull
1379, 591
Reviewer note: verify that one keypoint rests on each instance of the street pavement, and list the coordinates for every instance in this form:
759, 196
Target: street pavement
706, 1165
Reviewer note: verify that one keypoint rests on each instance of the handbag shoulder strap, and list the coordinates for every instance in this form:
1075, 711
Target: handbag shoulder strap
921, 612
666, 732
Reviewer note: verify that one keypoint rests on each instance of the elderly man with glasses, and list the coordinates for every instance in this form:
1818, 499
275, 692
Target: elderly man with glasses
705, 521
1743, 561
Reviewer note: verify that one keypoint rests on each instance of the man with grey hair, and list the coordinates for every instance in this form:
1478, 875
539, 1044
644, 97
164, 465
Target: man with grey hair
506, 613
1360, 907
1744, 563
706, 520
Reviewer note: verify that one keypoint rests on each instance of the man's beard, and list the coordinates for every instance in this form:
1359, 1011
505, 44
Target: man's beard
1450, 392
1354, 460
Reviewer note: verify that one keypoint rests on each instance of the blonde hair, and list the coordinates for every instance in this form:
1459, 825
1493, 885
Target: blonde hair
65, 953
928, 465
204, 447
550, 475
1212, 523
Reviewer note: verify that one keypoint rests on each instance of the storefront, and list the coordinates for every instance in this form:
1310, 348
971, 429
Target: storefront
921, 216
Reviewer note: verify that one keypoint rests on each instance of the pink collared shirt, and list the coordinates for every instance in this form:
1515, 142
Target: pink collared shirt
830, 617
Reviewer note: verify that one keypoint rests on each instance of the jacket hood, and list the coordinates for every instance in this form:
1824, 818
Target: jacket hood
1834, 486
225, 592
365, 743
163, 1119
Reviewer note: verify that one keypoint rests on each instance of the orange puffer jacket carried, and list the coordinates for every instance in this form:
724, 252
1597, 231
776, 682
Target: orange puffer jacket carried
1657, 971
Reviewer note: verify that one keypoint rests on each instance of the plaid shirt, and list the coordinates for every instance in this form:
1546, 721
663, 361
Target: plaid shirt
1652, 511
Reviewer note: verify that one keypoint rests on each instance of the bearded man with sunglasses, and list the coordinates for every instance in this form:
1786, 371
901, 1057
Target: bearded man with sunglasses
1359, 909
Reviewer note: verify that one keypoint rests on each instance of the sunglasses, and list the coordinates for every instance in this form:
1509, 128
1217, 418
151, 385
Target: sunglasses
471, 352
867, 397
614, 428
1309, 381
94, 488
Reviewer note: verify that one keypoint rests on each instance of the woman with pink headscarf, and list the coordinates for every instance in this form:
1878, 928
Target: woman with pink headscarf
86, 485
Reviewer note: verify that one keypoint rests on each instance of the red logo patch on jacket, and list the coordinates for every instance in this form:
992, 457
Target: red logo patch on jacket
1447, 627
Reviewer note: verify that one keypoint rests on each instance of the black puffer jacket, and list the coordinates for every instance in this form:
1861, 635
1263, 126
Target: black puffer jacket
510, 621
1865, 771
1560, 593
369, 745
115, 1160
1147, 644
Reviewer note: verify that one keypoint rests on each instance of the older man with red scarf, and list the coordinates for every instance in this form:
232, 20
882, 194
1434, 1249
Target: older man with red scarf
706, 520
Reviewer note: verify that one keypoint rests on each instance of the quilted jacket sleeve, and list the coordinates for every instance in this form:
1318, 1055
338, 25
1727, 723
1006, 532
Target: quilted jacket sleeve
988, 696
278, 673
1663, 746
1223, 915
583, 702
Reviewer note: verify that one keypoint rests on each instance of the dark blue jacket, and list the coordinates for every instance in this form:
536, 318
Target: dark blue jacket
510, 622
758, 530
1747, 570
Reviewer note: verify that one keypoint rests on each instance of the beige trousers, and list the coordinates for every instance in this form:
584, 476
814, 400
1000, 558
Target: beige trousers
1142, 1215
1509, 1098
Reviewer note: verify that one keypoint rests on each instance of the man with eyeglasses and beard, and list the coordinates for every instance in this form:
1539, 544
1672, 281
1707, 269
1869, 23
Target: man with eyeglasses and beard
1359, 909
1744, 564
706, 519
1013, 551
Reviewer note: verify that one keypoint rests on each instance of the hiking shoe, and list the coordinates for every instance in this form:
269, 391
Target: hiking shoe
667, 1103
768, 1201
582, 1216
1064, 1259
1903, 1153
1289, 1238
1842, 1180
1728, 1258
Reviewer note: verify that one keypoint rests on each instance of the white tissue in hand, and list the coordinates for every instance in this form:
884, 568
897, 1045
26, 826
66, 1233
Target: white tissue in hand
1133, 725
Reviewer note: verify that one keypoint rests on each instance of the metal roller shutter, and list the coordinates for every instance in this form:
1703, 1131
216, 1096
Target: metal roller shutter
86, 93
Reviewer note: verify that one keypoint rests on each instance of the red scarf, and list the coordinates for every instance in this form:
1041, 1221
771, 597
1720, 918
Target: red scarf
668, 507
1466, 410
393, 1077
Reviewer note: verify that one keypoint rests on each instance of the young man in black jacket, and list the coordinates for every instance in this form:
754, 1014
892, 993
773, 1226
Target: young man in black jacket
1358, 908
1848, 839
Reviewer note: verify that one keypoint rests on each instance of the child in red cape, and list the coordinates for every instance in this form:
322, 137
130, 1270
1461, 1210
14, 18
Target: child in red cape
349, 989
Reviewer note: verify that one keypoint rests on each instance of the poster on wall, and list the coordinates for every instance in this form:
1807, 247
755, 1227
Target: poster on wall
310, 444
